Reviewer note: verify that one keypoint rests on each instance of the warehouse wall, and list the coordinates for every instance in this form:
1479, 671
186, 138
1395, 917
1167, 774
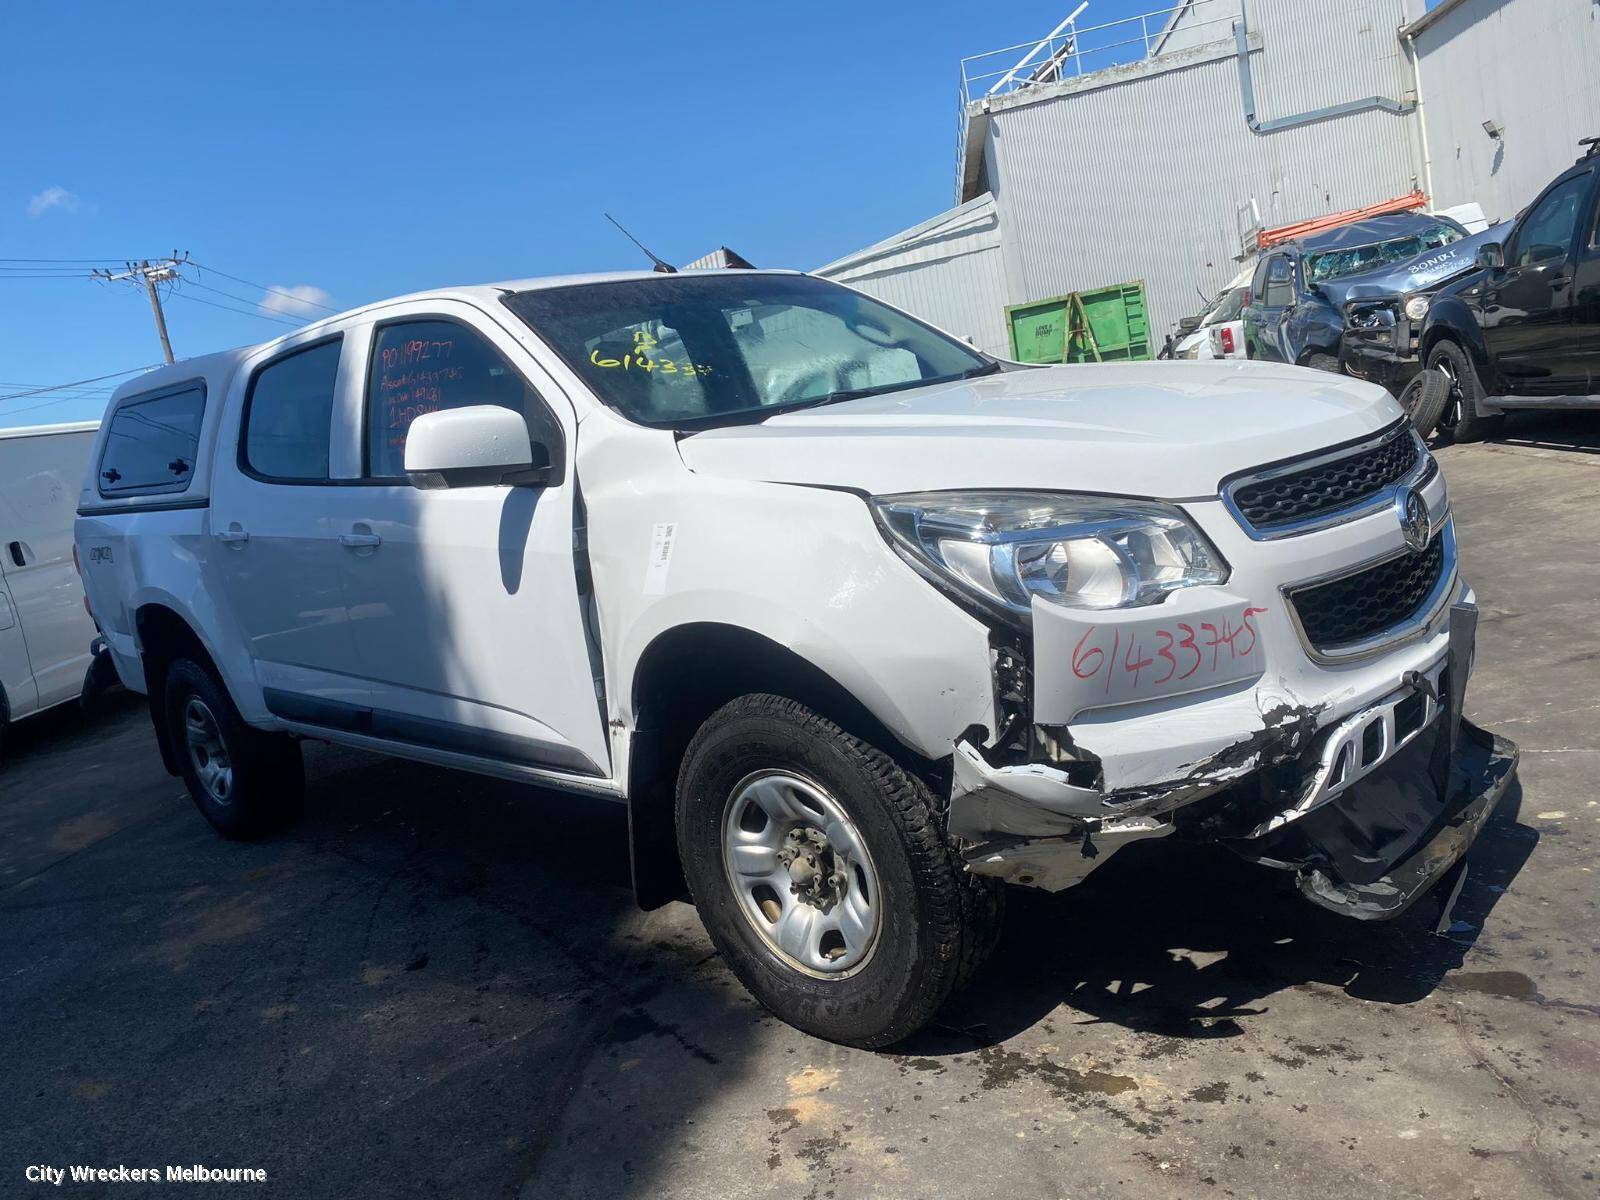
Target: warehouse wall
946, 270
1533, 66
1137, 172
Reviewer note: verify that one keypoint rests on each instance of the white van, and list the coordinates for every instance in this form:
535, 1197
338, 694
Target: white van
45, 628
857, 621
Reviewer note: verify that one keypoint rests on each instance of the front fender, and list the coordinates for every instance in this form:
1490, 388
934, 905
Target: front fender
837, 597
1449, 317
805, 567
1313, 328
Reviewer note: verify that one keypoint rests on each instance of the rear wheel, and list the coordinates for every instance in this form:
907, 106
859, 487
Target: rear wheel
243, 781
1459, 420
823, 875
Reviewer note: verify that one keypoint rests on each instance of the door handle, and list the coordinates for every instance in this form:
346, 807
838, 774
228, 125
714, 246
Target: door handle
234, 534
360, 539
18, 552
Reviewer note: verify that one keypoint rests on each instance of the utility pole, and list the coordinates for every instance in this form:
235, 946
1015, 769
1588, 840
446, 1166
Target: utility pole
150, 273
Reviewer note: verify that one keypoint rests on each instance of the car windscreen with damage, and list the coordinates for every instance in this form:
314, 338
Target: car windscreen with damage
691, 351
1335, 264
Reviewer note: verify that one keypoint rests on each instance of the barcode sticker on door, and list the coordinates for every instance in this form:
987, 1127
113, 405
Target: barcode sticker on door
662, 539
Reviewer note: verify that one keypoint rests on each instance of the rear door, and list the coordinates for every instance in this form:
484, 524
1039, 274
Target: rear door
275, 525
38, 498
472, 633
1527, 310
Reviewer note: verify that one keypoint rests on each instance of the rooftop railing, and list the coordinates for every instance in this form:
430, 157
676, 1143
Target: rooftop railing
1072, 49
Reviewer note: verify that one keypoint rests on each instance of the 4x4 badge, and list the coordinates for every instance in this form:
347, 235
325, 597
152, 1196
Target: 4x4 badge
1412, 511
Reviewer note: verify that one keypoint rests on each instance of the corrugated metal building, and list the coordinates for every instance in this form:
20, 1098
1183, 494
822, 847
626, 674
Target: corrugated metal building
947, 270
1530, 66
1150, 168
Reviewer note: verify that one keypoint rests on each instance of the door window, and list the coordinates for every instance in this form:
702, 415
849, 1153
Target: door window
1280, 289
151, 445
288, 416
1547, 233
431, 365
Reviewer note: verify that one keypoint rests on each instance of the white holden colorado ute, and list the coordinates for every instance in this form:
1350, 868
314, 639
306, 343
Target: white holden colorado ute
860, 624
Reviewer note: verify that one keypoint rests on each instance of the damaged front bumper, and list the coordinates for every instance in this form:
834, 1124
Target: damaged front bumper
1369, 802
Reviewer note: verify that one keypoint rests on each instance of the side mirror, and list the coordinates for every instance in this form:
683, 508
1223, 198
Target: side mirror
1491, 256
478, 446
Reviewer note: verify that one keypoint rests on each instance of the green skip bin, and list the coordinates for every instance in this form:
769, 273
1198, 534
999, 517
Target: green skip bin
1104, 325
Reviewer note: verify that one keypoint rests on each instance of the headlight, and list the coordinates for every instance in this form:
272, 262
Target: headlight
1417, 307
1079, 551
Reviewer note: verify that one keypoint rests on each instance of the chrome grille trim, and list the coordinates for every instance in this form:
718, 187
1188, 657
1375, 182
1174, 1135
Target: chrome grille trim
1419, 474
1418, 624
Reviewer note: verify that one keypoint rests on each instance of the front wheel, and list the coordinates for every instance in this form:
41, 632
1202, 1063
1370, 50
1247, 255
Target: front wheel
243, 781
1322, 362
1424, 398
823, 875
1460, 420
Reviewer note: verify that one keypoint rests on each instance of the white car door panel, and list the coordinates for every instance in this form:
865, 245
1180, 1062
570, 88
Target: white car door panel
16, 673
46, 596
275, 523
465, 608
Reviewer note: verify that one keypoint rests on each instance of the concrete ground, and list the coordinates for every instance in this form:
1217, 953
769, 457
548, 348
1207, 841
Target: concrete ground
437, 984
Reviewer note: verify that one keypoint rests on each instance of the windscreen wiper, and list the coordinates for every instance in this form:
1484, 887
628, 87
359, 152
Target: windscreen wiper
988, 368
754, 416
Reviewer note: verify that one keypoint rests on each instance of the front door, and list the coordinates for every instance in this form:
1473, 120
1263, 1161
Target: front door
1586, 302
1272, 301
1527, 306
275, 526
472, 634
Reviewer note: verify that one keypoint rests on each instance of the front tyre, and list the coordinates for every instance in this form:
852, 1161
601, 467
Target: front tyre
823, 875
1424, 399
1323, 362
245, 782
1459, 419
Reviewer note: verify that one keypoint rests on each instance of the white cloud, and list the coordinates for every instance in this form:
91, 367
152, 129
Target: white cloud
303, 300
52, 198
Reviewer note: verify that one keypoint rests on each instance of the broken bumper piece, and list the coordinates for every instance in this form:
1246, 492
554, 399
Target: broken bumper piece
1377, 848
1369, 811
1028, 825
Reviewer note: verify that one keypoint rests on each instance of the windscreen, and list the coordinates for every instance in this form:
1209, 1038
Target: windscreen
688, 351
1335, 264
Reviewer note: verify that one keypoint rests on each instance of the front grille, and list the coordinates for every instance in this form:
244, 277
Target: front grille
1361, 606
1326, 487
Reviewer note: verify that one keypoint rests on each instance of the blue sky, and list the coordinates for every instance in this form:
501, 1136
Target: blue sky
366, 150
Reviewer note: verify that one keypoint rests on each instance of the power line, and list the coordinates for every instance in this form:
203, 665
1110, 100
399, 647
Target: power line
243, 312
264, 287
12, 412
220, 292
57, 387
110, 258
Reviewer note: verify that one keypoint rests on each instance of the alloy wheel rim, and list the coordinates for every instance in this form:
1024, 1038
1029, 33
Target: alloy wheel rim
208, 753
1452, 409
801, 873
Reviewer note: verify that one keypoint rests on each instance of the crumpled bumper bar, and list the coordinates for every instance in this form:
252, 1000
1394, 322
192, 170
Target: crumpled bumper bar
1364, 841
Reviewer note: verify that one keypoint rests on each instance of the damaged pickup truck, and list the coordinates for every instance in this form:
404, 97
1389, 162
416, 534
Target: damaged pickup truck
858, 623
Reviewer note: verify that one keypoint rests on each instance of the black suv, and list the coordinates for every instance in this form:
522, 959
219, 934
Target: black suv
1297, 296
1523, 331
